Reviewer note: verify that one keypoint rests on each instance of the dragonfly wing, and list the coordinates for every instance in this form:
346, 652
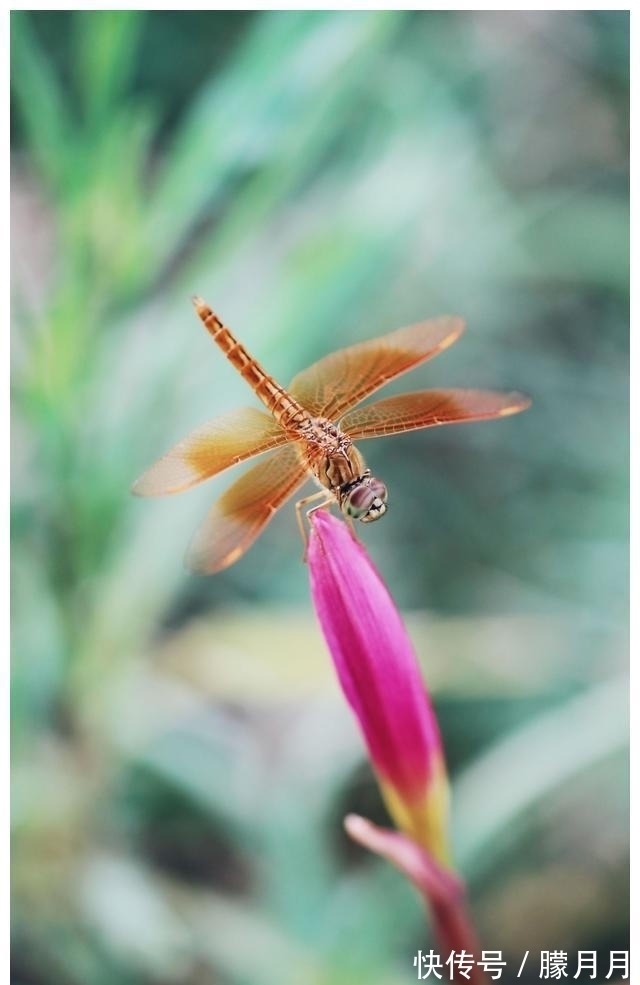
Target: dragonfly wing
210, 449
240, 515
341, 380
430, 408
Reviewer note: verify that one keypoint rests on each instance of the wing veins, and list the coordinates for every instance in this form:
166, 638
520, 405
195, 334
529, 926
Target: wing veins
210, 449
238, 517
430, 408
340, 381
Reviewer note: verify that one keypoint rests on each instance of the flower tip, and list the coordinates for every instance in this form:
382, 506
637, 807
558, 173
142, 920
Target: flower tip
331, 537
322, 521
359, 829
381, 841
432, 879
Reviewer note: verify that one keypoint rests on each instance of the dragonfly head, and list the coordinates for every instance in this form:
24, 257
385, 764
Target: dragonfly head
364, 499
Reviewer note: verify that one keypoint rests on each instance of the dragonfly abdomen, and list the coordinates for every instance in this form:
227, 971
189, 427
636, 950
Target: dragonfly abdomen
287, 411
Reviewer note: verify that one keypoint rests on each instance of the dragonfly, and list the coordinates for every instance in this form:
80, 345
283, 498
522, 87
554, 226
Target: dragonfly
309, 431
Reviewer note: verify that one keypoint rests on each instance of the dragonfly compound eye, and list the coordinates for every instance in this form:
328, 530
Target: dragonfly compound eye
366, 500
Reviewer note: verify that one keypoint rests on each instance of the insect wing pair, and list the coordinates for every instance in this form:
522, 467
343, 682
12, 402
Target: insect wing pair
331, 391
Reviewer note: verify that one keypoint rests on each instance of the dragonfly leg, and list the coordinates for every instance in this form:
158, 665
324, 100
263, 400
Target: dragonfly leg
326, 498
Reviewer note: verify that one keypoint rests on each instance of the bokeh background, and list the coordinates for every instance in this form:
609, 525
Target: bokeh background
182, 758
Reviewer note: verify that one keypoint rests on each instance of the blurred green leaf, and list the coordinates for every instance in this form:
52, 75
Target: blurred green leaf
105, 49
42, 106
537, 759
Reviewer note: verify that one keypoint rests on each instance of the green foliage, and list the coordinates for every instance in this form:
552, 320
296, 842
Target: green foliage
181, 759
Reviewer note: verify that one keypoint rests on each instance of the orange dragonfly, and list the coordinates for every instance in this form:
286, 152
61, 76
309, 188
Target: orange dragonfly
309, 432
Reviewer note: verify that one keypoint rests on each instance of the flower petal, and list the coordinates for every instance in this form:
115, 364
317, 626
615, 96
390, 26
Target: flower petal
437, 884
379, 674
443, 892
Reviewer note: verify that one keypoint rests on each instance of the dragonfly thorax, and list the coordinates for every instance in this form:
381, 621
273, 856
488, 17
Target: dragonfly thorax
337, 465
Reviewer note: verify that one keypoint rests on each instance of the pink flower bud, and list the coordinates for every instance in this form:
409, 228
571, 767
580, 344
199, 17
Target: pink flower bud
379, 674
